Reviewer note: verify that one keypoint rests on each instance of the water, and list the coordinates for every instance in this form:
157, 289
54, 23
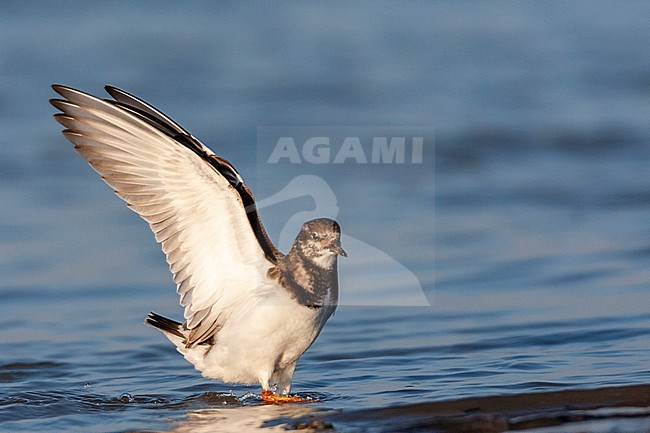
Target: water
528, 235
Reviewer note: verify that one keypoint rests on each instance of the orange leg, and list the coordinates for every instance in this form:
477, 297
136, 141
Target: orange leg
271, 397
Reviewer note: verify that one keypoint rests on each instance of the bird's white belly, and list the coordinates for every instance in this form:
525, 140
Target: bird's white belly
250, 348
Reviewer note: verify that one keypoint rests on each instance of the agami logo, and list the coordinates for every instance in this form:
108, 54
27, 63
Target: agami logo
359, 150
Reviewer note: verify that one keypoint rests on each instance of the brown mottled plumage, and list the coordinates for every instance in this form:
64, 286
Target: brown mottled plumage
312, 279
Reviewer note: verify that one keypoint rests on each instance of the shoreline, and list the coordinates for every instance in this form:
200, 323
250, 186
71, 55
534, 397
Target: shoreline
497, 413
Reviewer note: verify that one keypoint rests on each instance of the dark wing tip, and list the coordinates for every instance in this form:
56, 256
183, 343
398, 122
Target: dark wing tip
62, 90
113, 91
59, 104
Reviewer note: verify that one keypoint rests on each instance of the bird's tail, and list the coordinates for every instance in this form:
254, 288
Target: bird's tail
171, 328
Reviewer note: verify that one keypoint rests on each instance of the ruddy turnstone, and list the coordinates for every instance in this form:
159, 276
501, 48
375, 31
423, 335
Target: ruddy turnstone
250, 310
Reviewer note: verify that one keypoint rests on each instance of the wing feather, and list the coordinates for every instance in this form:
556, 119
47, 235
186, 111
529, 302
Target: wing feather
193, 201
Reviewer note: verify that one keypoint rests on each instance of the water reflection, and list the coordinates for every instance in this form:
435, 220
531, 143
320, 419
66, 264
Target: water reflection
244, 419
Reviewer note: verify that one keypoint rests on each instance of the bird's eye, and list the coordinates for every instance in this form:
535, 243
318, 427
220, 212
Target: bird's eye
314, 236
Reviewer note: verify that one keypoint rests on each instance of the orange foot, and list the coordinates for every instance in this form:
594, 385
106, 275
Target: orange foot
271, 397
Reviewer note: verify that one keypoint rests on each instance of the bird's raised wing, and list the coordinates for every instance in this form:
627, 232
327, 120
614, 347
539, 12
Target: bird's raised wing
195, 202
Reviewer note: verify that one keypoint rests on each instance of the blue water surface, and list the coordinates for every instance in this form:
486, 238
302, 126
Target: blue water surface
513, 258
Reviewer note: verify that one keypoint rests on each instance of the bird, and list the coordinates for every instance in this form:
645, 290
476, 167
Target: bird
250, 310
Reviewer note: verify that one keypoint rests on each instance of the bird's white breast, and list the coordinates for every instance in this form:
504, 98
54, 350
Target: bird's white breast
269, 336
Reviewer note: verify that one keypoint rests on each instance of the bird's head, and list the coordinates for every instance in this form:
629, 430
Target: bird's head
319, 240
